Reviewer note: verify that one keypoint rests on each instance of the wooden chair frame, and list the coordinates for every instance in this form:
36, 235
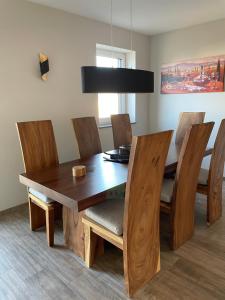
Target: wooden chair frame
88, 140
122, 131
52, 211
141, 213
213, 190
39, 152
87, 135
181, 208
186, 120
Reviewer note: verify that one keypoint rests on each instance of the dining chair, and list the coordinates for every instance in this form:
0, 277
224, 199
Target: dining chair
187, 119
39, 152
210, 181
122, 131
178, 194
87, 135
89, 144
132, 224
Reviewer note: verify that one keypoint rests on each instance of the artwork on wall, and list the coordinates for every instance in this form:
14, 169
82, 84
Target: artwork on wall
204, 75
44, 66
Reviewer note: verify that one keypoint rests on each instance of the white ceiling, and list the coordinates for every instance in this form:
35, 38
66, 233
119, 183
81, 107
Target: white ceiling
149, 16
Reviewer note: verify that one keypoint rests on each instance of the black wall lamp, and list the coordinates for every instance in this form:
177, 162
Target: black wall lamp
44, 66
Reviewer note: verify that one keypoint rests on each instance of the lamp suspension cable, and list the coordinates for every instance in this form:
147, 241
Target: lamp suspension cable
111, 29
117, 80
131, 25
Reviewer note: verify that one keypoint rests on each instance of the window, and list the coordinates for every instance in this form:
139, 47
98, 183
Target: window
109, 104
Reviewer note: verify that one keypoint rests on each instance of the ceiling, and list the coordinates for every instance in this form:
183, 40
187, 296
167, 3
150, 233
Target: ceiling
149, 16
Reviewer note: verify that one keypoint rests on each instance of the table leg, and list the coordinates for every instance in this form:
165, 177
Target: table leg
74, 233
73, 230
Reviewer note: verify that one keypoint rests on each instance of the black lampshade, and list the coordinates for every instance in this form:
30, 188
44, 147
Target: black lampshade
116, 80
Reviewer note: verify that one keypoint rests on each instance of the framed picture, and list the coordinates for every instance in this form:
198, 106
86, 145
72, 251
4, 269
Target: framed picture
204, 75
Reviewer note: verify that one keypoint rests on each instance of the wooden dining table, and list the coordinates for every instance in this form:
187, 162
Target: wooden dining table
78, 193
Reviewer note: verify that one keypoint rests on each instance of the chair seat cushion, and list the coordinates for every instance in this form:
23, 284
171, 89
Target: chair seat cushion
167, 190
40, 196
203, 176
109, 214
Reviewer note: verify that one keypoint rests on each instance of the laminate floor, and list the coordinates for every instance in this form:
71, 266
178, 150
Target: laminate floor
31, 270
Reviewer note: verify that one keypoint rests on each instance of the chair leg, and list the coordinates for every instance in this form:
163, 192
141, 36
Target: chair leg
31, 217
180, 234
49, 213
214, 207
208, 213
90, 240
137, 275
36, 216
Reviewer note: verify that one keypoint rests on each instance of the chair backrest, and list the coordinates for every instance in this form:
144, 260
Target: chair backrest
189, 163
87, 135
185, 121
38, 145
142, 207
216, 169
122, 131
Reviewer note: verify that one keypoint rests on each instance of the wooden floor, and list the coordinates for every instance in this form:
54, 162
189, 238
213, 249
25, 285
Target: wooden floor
31, 270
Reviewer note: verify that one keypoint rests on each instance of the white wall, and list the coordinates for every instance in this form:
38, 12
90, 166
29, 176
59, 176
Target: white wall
195, 42
69, 40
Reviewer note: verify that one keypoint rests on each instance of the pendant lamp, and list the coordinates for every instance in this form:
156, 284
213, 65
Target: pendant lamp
116, 80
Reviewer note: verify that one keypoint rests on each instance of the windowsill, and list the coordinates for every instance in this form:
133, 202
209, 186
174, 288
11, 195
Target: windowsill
110, 125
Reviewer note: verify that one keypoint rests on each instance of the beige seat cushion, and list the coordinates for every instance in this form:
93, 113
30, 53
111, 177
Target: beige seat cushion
40, 196
109, 214
167, 190
203, 176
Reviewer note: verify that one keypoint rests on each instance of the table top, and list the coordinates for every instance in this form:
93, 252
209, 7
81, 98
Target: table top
80, 193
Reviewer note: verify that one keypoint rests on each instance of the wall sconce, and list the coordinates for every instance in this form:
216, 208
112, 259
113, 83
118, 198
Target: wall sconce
44, 66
